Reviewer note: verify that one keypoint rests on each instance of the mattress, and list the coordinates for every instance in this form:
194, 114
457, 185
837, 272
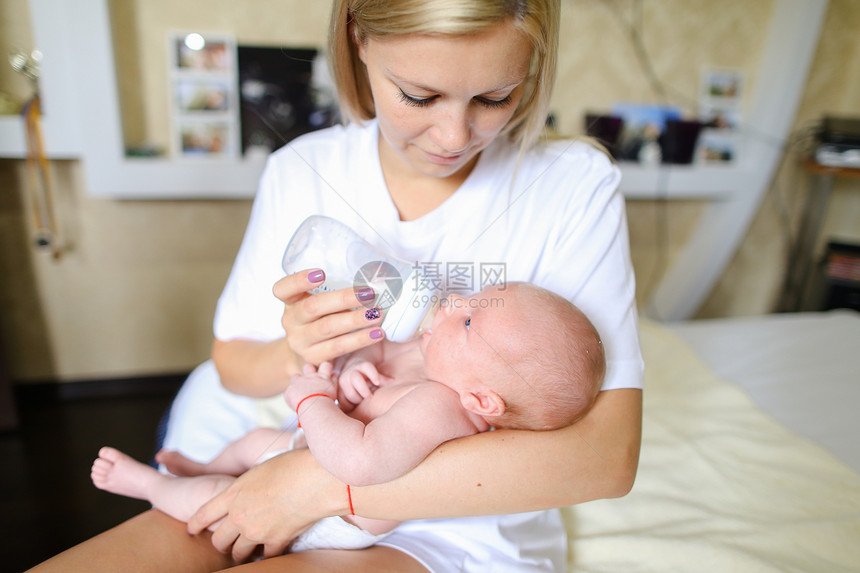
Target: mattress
733, 475
803, 369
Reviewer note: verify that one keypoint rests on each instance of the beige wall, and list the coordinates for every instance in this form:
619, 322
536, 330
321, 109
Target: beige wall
752, 282
136, 289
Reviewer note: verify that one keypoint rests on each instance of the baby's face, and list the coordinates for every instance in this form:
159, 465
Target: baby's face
464, 338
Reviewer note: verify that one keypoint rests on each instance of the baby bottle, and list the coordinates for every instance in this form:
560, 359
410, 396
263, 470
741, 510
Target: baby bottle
409, 304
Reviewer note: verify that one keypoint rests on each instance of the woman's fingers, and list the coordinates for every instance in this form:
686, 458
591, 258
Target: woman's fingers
331, 303
330, 348
349, 331
224, 538
210, 512
243, 548
292, 288
326, 325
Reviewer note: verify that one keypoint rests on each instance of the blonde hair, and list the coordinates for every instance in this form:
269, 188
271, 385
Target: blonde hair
558, 369
354, 21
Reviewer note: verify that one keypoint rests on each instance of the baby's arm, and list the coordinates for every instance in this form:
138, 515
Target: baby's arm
386, 447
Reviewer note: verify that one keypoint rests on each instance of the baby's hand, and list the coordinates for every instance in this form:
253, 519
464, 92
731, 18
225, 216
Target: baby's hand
357, 381
311, 381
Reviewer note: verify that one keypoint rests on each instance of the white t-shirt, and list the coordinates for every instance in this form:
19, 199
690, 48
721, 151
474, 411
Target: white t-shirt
560, 225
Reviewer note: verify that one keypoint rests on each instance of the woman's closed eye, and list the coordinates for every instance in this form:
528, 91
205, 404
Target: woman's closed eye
415, 101
483, 101
494, 103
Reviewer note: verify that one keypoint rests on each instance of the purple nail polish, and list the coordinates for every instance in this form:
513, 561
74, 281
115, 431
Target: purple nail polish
365, 294
371, 313
376, 333
316, 277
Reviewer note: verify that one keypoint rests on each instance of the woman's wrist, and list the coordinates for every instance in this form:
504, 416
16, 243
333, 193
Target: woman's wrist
254, 368
327, 496
291, 362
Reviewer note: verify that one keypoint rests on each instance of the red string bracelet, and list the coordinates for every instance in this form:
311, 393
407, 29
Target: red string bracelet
299, 405
349, 495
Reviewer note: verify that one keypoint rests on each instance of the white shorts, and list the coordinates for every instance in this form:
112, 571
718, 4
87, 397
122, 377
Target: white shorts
204, 418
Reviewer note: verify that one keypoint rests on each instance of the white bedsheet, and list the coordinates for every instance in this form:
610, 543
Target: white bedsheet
722, 486
803, 369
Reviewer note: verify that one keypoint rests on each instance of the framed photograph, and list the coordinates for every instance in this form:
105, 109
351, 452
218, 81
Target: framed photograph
720, 111
720, 117
283, 93
195, 52
718, 147
722, 87
203, 95
205, 139
204, 102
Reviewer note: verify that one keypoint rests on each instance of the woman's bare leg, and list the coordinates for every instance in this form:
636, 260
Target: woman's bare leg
376, 559
179, 497
237, 458
151, 541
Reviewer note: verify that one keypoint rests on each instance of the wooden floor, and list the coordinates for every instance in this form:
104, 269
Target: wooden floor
47, 501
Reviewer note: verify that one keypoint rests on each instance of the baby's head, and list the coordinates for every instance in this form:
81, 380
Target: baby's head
520, 356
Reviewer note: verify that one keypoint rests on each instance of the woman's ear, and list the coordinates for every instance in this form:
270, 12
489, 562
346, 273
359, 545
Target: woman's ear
483, 403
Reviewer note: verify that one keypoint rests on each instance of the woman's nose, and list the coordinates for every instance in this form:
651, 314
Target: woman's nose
453, 131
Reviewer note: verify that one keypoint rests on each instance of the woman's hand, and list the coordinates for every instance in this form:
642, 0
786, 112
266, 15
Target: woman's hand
270, 505
323, 326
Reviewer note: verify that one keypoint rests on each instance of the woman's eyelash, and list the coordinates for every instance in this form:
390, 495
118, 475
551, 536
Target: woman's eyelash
423, 102
495, 103
417, 102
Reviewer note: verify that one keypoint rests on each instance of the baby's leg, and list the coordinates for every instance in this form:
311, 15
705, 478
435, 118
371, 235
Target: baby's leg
179, 498
237, 458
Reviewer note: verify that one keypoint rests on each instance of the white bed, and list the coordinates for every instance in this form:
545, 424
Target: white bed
750, 457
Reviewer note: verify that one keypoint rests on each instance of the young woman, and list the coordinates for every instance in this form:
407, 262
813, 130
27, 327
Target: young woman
440, 164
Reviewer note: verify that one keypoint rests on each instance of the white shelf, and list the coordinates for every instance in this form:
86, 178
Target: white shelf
59, 144
12, 143
157, 178
668, 181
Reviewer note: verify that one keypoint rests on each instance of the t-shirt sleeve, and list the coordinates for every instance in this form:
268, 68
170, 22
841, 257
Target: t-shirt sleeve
592, 267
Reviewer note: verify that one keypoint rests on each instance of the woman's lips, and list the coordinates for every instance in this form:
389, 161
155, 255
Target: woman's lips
443, 159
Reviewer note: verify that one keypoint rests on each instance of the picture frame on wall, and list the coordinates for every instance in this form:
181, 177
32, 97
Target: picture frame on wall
720, 110
204, 99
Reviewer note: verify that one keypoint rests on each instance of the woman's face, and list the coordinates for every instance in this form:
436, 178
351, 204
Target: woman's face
440, 100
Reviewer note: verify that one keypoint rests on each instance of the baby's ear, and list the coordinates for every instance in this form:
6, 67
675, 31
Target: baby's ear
483, 403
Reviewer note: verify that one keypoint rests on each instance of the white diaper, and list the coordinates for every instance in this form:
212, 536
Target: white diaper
334, 533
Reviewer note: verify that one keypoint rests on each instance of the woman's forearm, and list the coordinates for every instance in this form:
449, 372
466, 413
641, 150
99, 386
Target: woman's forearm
516, 471
489, 473
253, 368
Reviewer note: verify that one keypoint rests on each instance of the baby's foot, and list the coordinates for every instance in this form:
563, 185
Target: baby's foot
118, 473
179, 465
